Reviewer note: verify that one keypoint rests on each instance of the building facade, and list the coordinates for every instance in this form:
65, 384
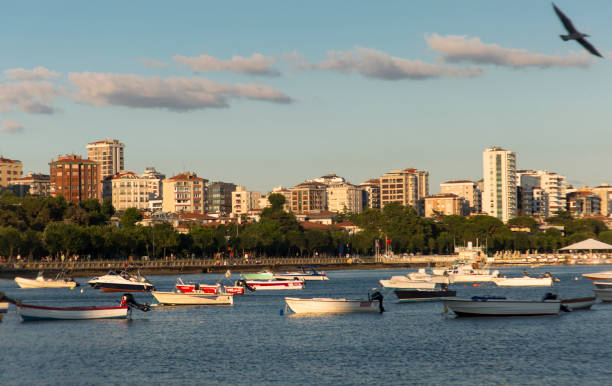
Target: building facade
408, 187
244, 201
308, 197
75, 178
370, 193
154, 180
344, 198
466, 189
583, 202
604, 191
131, 191
542, 193
109, 153
10, 170
219, 198
499, 175
184, 193
32, 184
444, 203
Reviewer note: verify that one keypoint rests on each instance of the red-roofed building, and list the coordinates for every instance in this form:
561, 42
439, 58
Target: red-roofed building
370, 193
33, 184
75, 178
184, 193
408, 187
445, 203
308, 197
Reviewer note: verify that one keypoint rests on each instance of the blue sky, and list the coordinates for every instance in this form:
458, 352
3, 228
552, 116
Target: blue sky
352, 88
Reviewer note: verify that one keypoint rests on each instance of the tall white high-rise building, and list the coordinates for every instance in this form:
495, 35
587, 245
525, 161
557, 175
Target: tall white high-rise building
109, 153
542, 192
499, 175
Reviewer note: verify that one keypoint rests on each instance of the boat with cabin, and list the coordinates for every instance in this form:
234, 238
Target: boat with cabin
467, 273
306, 273
123, 281
60, 281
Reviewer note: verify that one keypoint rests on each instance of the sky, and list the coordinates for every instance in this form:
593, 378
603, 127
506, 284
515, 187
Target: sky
273, 93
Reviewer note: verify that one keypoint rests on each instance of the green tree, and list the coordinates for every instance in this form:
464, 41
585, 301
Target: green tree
130, 217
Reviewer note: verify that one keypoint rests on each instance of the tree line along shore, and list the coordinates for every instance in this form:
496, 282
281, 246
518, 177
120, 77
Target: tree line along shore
52, 229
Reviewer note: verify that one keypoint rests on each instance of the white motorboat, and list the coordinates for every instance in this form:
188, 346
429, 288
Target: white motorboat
524, 281
40, 282
422, 275
307, 273
193, 298
579, 303
467, 273
122, 282
603, 290
335, 306
491, 306
603, 284
277, 284
603, 275
403, 282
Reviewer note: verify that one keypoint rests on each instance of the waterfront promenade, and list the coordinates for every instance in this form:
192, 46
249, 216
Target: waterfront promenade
197, 265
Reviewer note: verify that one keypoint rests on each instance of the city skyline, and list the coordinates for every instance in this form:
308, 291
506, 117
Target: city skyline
268, 96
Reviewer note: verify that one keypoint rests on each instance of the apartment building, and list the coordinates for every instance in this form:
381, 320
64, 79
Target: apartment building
32, 184
184, 193
466, 189
219, 199
344, 197
407, 186
583, 202
541, 193
604, 191
75, 178
10, 170
308, 197
131, 191
154, 180
109, 153
370, 193
244, 201
499, 175
444, 203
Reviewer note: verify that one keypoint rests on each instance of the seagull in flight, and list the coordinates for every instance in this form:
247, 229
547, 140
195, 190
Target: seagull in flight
574, 34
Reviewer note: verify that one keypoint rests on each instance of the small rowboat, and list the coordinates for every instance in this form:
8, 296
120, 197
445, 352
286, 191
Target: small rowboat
192, 298
208, 288
403, 282
524, 281
307, 273
579, 303
261, 285
335, 306
41, 282
31, 312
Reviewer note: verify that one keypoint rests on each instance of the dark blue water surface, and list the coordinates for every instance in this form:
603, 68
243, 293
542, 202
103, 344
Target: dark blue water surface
251, 343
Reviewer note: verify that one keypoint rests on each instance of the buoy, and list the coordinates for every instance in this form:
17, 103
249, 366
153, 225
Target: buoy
81, 290
72, 288
282, 312
475, 284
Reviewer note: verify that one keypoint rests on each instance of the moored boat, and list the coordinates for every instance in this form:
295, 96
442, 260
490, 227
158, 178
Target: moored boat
208, 288
307, 273
605, 294
261, 275
192, 298
422, 274
524, 281
30, 312
603, 275
422, 295
403, 282
122, 282
495, 306
335, 306
579, 303
40, 282
467, 273
4, 307
277, 284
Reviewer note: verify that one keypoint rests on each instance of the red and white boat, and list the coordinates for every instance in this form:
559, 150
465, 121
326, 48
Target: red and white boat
187, 288
261, 285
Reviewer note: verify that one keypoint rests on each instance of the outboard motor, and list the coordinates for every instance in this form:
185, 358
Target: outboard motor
128, 300
243, 283
378, 296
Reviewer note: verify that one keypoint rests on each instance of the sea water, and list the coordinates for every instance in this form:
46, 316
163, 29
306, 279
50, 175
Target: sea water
252, 343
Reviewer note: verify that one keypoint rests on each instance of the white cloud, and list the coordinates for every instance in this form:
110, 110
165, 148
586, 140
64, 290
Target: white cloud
376, 64
10, 126
179, 94
29, 96
152, 63
455, 49
257, 64
33, 74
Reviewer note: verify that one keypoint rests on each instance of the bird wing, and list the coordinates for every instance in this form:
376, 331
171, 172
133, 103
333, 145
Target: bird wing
589, 47
567, 23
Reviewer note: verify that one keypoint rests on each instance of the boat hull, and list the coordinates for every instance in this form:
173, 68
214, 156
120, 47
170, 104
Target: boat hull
4, 307
182, 299
604, 275
301, 276
524, 282
330, 306
268, 285
502, 307
604, 294
421, 295
209, 289
31, 312
23, 282
119, 287
402, 282
579, 303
